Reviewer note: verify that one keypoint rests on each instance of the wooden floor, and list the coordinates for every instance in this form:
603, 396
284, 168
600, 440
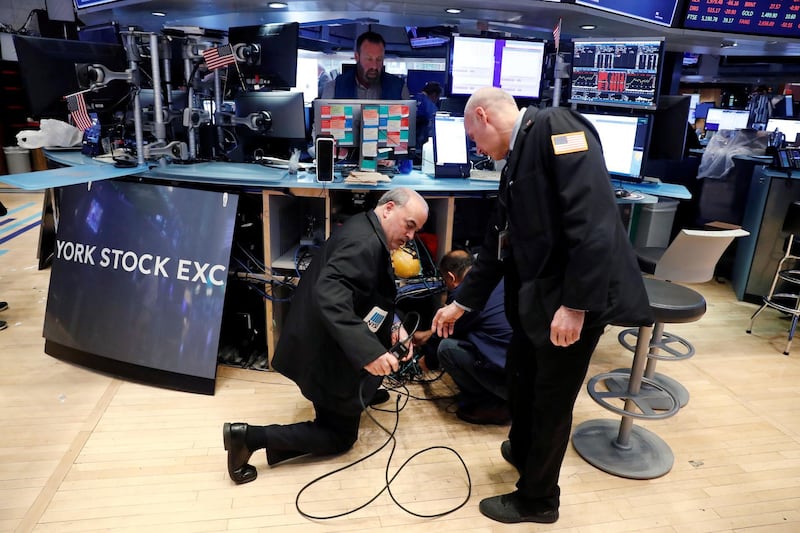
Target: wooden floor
81, 451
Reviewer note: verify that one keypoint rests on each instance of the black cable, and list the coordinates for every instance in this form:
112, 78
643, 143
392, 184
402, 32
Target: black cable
387, 487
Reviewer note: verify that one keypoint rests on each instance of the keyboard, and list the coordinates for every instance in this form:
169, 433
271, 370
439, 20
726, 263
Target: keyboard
484, 175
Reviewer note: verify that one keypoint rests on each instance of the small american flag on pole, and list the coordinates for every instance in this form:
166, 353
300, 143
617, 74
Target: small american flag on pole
219, 57
557, 34
77, 109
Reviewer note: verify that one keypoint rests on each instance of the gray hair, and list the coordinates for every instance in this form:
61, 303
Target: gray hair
400, 196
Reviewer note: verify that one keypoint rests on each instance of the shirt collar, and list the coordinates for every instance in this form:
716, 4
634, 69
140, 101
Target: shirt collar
517, 126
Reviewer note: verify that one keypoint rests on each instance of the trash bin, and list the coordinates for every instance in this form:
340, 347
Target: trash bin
18, 159
655, 223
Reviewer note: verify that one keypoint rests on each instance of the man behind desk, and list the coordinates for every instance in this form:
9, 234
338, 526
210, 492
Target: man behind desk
558, 239
337, 336
368, 80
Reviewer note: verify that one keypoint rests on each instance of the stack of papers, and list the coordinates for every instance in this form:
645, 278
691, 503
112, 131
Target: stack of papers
366, 177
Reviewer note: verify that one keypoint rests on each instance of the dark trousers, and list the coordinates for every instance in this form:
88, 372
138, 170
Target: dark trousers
544, 382
329, 433
480, 382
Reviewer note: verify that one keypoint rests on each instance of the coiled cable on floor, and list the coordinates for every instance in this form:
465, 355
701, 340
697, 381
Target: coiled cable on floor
388, 485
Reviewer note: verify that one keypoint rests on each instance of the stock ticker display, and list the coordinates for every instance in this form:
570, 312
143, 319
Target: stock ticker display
759, 17
619, 73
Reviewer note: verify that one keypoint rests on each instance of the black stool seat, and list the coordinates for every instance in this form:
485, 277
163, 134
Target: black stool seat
672, 303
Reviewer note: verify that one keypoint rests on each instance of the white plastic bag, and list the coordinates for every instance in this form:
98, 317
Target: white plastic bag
51, 133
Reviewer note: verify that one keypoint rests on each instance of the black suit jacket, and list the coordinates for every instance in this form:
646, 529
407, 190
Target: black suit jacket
325, 342
567, 242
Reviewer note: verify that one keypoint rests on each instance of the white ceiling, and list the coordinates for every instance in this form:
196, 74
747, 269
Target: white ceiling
528, 18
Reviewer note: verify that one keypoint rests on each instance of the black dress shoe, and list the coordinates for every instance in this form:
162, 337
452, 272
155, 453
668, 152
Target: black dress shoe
381, 396
485, 414
511, 509
234, 437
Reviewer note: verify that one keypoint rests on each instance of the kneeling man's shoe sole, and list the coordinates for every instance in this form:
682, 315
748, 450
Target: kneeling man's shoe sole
509, 509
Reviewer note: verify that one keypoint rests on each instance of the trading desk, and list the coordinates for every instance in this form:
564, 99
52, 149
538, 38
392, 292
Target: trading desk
290, 205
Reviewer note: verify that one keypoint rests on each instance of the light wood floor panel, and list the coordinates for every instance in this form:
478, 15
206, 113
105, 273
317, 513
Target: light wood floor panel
81, 451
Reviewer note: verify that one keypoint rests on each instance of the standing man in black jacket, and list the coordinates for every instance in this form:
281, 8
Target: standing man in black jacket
569, 269
336, 342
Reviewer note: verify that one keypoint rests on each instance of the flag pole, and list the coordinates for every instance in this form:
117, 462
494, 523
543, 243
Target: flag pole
241, 78
557, 66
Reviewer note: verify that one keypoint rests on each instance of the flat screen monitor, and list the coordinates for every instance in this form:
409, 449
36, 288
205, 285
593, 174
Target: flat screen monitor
726, 119
269, 55
701, 109
428, 37
513, 65
624, 139
342, 119
656, 11
617, 72
784, 106
100, 33
693, 103
138, 281
754, 17
790, 128
286, 129
450, 147
50, 70
670, 125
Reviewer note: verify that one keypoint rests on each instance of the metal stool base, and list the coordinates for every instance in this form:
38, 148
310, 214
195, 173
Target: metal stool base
656, 401
646, 455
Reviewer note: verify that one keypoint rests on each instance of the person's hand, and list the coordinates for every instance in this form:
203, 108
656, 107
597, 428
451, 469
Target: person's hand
445, 319
402, 335
384, 365
566, 326
422, 337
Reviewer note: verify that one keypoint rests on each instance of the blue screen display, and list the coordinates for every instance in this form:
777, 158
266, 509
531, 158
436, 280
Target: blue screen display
757, 17
139, 274
657, 11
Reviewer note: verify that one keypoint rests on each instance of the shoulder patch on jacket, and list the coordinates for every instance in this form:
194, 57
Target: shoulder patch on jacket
567, 143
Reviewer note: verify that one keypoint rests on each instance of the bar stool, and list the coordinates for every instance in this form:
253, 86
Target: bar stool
787, 302
623, 449
690, 258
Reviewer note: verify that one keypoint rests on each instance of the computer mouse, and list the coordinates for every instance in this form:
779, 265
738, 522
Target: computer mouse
621, 193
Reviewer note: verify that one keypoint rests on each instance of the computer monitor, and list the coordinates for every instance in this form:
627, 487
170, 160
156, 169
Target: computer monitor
342, 119
790, 128
755, 17
624, 139
513, 65
617, 72
286, 129
100, 33
51, 69
656, 11
670, 125
427, 37
269, 53
450, 147
726, 119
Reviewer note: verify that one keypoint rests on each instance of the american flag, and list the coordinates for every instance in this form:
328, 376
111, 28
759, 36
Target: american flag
77, 109
567, 143
219, 57
557, 34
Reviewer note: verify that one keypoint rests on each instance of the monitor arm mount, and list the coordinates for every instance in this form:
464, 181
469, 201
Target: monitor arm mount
247, 53
261, 121
98, 76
